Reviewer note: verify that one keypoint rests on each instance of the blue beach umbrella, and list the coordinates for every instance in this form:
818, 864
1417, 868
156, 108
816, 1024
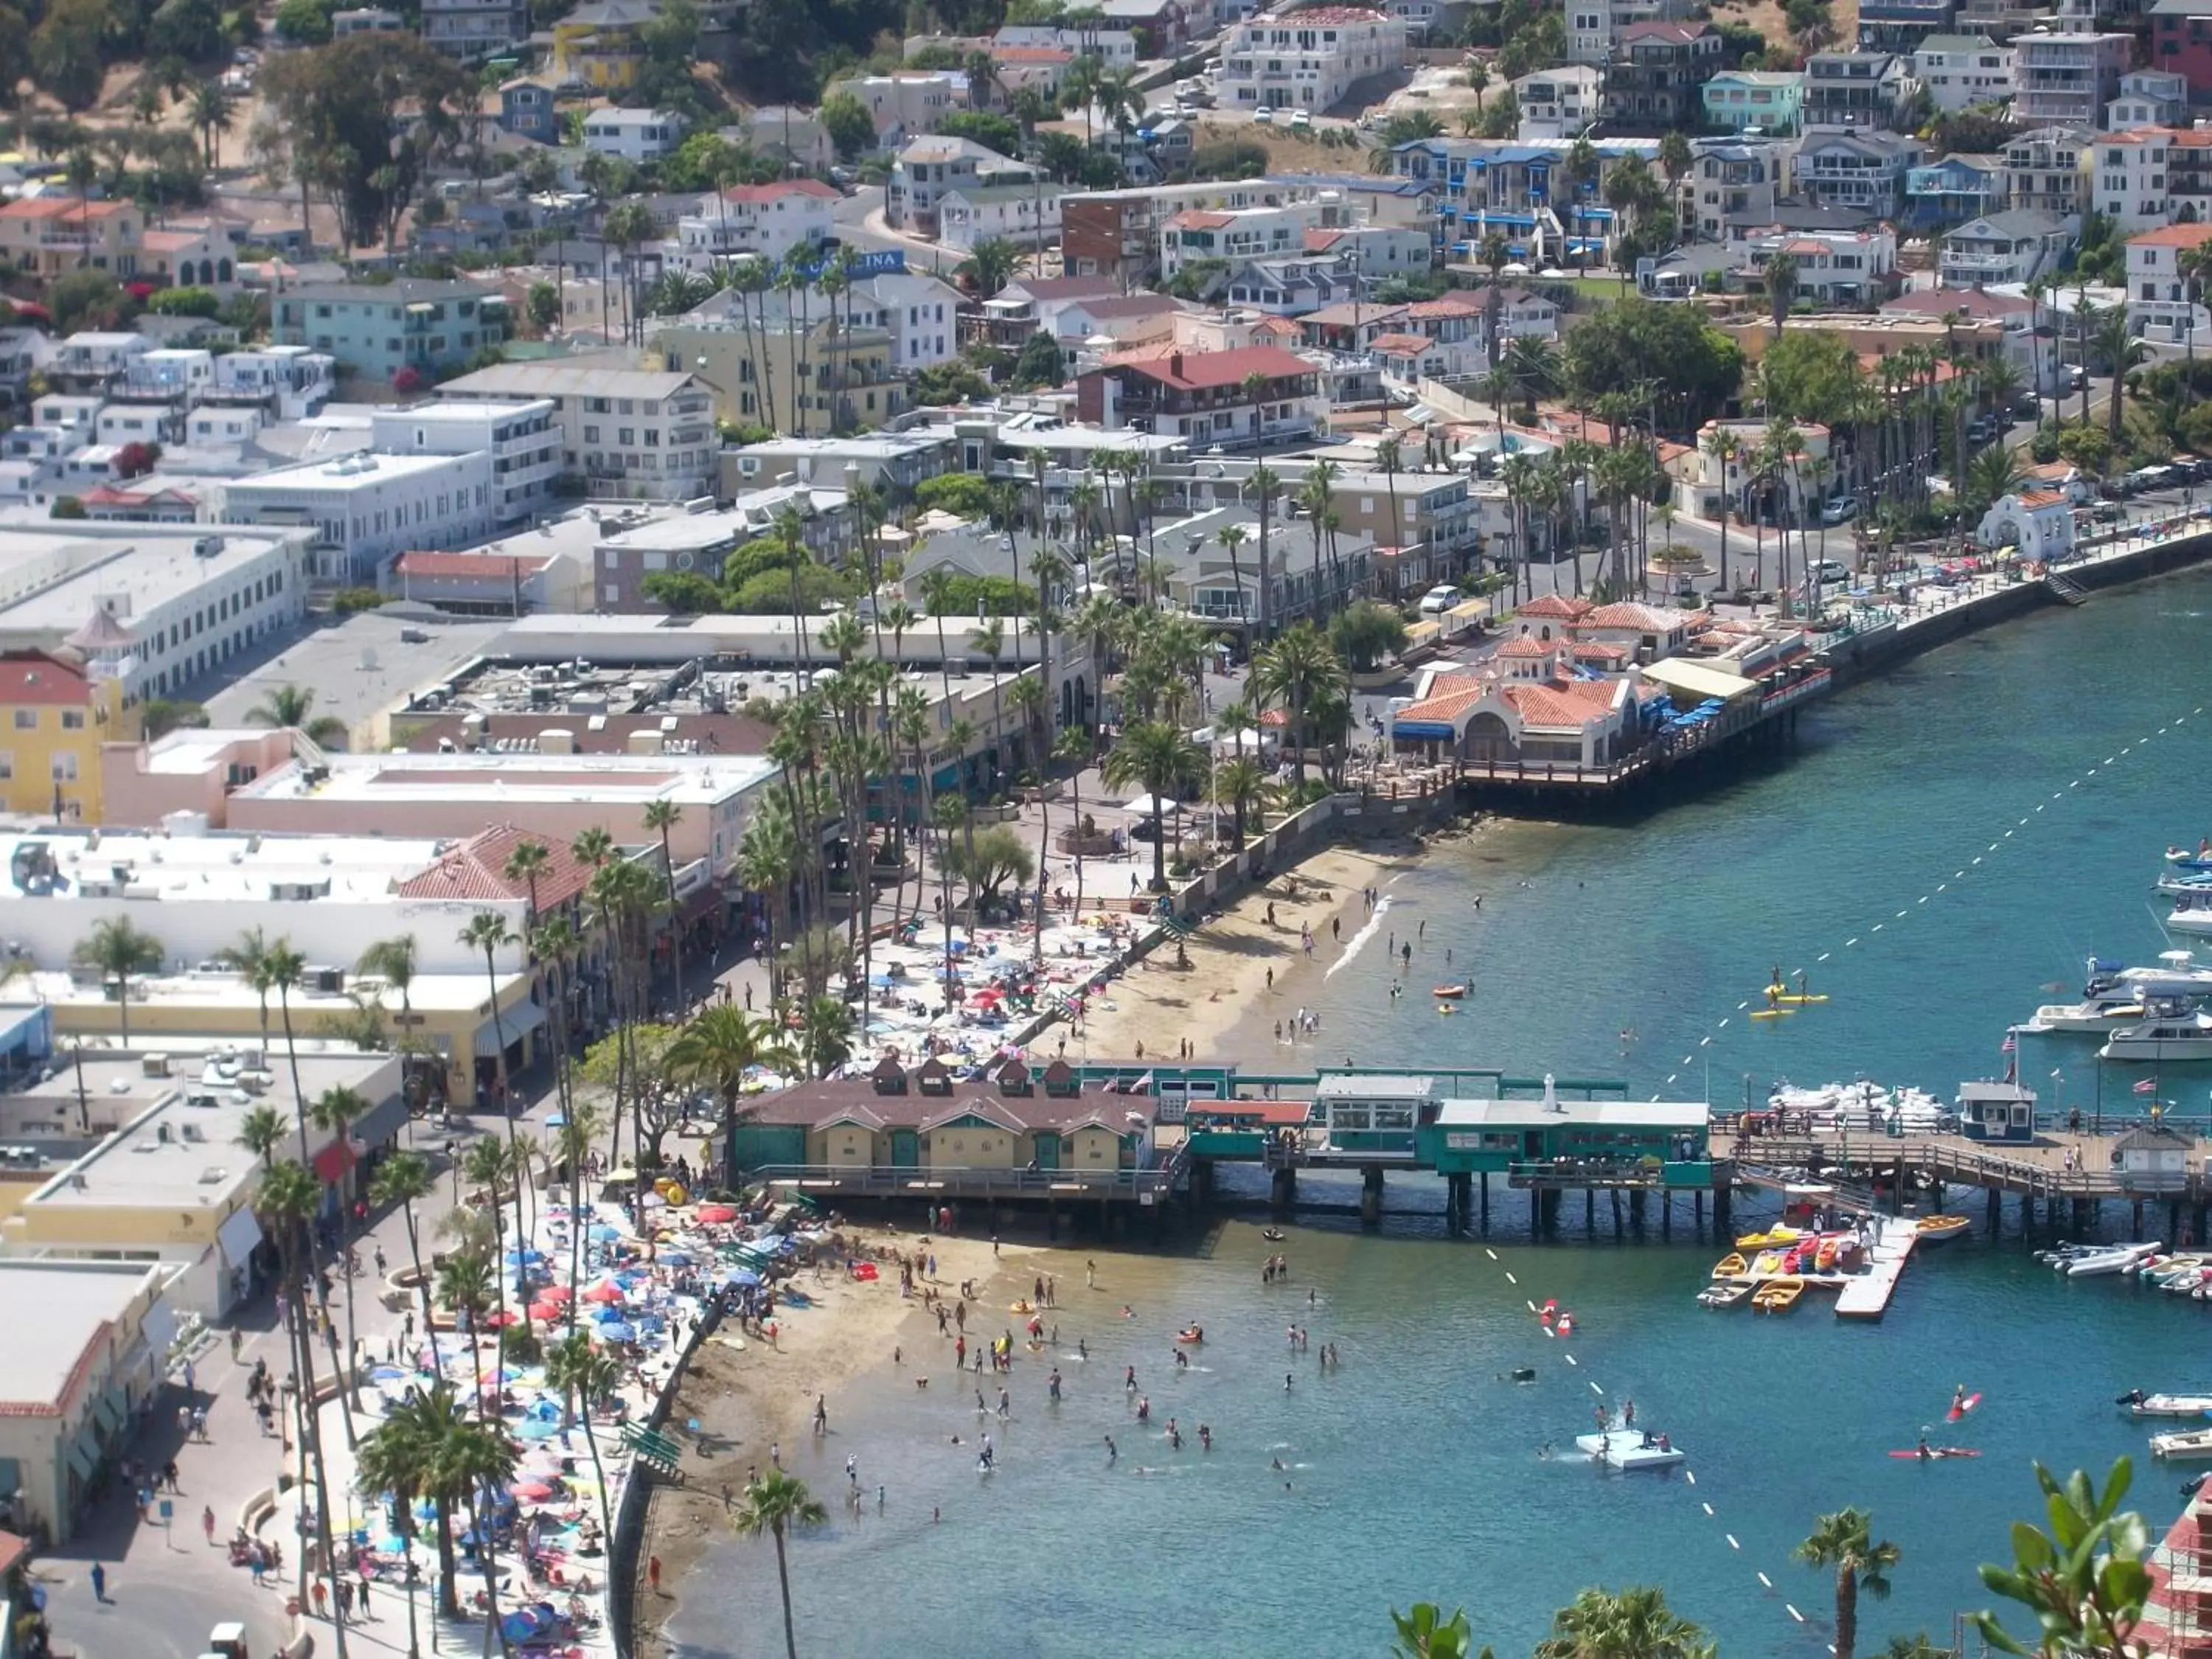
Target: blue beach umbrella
744, 1276
536, 1428
615, 1330
602, 1233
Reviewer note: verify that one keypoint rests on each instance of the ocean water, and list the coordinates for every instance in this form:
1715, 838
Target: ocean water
1414, 1470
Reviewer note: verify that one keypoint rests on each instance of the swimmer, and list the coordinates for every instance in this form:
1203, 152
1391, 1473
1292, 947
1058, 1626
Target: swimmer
1286, 1382
1113, 1452
1128, 1312
1958, 1400
1276, 1464
1082, 1349
1129, 1380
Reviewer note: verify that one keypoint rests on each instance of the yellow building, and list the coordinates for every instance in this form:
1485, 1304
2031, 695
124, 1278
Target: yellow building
598, 46
755, 375
55, 711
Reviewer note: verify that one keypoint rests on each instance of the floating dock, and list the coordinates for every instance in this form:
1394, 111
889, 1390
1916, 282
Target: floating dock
1866, 1296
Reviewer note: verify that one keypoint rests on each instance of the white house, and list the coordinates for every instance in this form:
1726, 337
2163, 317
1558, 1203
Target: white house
1704, 485
2040, 523
908, 103
1306, 59
1848, 268
2128, 182
922, 312
1961, 70
367, 508
1558, 103
2150, 98
635, 135
522, 439
970, 214
929, 166
1998, 249
2159, 306
766, 220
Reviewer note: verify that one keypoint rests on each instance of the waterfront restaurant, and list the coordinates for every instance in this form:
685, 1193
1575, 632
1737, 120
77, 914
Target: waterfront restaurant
1592, 1142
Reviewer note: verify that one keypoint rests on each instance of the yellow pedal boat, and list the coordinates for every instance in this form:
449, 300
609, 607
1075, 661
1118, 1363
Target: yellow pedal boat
1778, 1295
1729, 1266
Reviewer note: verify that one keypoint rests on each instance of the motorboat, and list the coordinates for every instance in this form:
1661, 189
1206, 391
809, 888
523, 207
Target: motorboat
1777, 1295
1862, 1106
2167, 1404
2112, 995
1629, 1449
1730, 1265
2189, 1446
1724, 1295
2192, 913
2098, 1264
2170, 1034
1939, 1229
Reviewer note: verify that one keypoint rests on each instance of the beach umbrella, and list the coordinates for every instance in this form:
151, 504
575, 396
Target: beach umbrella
743, 1276
531, 1257
605, 1290
602, 1234
554, 1293
712, 1214
535, 1428
615, 1330
504, 1317
531, 1492
541, 1308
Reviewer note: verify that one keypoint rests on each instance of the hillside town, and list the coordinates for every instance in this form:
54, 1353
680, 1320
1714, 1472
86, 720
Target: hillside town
565, 566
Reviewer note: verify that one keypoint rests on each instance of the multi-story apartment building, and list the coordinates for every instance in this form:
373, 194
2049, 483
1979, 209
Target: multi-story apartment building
1594, 27
920, 312
2048, 170
632, 434
2066, 78
766, 220
2162, 303
55, 711
1864, 172
1115, 234
1955, 188
1234, 399
473, 29
1766, 103
1307, 59
802, 373
2128, 177
50, 236
1902, 25
1856, 91
1836, 268
1738, 182
1961, 70
2181, 42
906, 104
2003, 249
2150, 98
380, 329
2188, 173
1238, 234
1025, 214
522, 439
1655, 77
929, 166
632, 135
1558, 103
367, 508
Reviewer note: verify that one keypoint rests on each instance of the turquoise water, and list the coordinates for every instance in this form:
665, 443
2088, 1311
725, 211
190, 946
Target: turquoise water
1415, 1473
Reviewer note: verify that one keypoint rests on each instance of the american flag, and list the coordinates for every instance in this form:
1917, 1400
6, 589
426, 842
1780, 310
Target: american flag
2147, 1086
2008, 1045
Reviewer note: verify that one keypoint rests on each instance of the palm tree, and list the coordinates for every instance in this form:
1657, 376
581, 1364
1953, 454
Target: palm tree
1425, 1633
468, 1284
212, 116
1634, 1623
1723, 445
990, 638
261, 1131
450, 1460
2119, 351
825, 1031
287, 1201
990, 265
1844, 1541
1297, 673
334, 1113
588, 1378
775, 1504
661, 817
525, 862
1242, 784
120, 949
488, 931
291, 708
1992, 473
714, 1051
393, 960
403, 1180
1160, 758
1780, 272
1266, 487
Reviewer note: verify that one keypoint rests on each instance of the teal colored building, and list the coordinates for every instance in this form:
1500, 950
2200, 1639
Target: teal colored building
1774, 101
377, 329
1584, 1143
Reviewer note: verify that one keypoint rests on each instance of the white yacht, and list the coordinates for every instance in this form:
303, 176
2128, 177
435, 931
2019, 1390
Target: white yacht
2192, 913
2113, 996
2171, 1031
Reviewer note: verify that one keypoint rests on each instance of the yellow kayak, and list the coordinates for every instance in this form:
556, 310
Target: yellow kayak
1794, 998
1772, 1013
1775, 1236
1768, 1262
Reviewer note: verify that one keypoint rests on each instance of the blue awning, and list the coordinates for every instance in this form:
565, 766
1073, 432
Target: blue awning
1436, 730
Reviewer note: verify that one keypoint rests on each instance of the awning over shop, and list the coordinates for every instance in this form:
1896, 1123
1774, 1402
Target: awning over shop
1698, 679
513, 1023
333, 1161
382, 1121
239, 1236
106, 1413
83, 1455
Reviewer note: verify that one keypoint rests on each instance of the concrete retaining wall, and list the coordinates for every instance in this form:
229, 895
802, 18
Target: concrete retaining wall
636, 1505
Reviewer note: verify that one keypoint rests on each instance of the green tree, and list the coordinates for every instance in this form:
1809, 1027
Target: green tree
67, 61
588, 1379
1039, 363
774, 1506
1696, 368
543, 304
1426, 1633
682, 592
403, 1180
1157, 758
1299, 673
964, 494
991, 861
119, 948
848, 124
1365, 633
2084, 1582
1845, 1541
1810, 374
159, 716
1634, 1624
292, 707
992, 131
715, 1050
990, 265
262, 1131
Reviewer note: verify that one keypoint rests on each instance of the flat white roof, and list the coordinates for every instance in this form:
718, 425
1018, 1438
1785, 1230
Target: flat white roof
153, 564
221, 866
1341, 1085
230, 994
345, 474
516, 780
678, 530
1588, 1114
67, 1304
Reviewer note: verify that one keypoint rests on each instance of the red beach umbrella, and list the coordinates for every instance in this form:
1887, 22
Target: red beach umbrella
554, 1293
715, 1212
531, 1492
542, 1309
504, 1317
605, 1290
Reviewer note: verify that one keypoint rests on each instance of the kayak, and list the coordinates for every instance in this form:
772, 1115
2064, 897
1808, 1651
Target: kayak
1446, 1008
1793, 997
1448, 991
1772, 1013
1963, 1408
1936, 1454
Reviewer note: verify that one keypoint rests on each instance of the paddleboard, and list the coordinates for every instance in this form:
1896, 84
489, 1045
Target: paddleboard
1938, 1454
1963, 1408
1821, 996
1772, 1013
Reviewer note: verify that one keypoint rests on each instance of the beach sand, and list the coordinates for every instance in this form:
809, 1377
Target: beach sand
748, 1398
1223, 1003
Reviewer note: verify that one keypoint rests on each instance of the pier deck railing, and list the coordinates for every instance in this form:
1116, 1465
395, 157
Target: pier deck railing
1843, 1159
1146, 1185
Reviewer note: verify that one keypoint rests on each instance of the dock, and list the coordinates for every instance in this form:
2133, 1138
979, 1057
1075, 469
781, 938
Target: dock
1866, 1296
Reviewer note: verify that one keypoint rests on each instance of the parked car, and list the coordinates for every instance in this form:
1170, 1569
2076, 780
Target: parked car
1439, 599
1265, 115
1300, 120
1981, 429
1831, 570
1842, 510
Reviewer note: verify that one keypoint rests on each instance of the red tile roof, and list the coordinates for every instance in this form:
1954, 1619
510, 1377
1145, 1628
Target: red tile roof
2043, 498
477, 870
1524, 646
1193, 371
1401, 342
1575, 705
2173, 236
1556, 605
33, 676
1201, 219
757, 193
1032, 55
1647, 619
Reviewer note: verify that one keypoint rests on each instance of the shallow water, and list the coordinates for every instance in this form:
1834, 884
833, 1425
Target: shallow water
1421, 1477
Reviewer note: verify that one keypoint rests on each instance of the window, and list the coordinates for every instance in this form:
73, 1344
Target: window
7, 765
27, 719
65, 767
72, 719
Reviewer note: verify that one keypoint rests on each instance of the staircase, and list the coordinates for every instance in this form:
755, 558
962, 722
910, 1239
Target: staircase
2065, 592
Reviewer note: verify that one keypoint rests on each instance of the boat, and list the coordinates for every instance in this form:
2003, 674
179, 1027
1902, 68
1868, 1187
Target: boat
1762, 1241
2139, 1404
1937, 1454
2159, 1269
2113, 996
1724, 1296
1777, 1295
1730, 1265
1274, 1234
1448, 991
2097, 1264
1939, 1229
1191, 1334
2189, 1446
1862, 1105
2192, 913
1629, 1449
2171, 1035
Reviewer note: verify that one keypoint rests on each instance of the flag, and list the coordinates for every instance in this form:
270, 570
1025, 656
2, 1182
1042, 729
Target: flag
2147, 1086
2008, 1045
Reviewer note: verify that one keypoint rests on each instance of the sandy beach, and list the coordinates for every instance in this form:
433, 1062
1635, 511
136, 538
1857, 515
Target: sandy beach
1245, 972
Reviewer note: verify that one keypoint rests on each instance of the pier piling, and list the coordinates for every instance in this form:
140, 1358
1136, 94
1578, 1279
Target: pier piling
1997, 1211
1666, 1217
1486, 1203
2135, 1218
1613, 1203
1637, 1206
2084, 1217
1284, 1188
1371, 1195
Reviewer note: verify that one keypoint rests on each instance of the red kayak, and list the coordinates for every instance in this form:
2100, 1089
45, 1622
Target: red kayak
1935, 1453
